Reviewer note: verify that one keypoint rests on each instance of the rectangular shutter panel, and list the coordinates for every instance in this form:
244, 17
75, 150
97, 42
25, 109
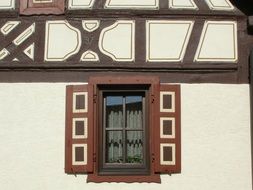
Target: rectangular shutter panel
79, 129
167, 130
29, 7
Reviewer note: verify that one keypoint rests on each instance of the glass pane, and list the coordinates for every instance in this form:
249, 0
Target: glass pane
114, 147
134, 147
114, 112
134, 112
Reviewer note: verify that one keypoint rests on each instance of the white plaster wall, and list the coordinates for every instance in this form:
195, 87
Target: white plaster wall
215, 140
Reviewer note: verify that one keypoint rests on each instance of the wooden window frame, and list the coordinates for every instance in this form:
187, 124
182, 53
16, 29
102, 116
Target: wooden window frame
123, 169
27, 7
151, 81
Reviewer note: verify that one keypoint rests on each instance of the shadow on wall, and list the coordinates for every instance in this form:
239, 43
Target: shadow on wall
246, 6
251, 110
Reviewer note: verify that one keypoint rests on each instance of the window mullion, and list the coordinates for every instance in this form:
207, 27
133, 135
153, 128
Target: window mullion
104, 130
144, 129
124, 129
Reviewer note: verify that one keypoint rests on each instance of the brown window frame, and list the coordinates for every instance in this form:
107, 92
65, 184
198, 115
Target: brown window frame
129, 177
123, 169
27, 7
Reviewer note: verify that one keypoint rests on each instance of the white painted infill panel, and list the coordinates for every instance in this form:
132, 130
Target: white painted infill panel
182, 4
132, 4
118, 41
62, 40
220, 4
9, 26
4, 53
7, 4
90, 25
89, 56
80, 4
167, 40
218, 42
24, 35
29, 51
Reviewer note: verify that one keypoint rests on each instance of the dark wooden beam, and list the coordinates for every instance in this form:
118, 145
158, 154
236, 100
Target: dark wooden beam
251, 102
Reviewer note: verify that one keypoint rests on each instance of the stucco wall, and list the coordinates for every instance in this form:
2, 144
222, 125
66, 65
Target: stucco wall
215, 140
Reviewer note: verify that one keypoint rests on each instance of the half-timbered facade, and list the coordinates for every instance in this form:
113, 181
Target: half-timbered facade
125, 91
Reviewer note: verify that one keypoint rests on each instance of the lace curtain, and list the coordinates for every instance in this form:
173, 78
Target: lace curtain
134, 137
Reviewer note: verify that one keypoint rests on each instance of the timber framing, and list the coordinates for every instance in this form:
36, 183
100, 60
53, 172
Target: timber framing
251, 109
185, 71
73, 70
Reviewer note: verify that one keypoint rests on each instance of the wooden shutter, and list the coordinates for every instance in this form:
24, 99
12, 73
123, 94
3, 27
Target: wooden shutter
79, 129
35, 7
167, 130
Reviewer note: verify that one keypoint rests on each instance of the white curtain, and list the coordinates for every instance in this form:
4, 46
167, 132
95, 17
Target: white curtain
134, 139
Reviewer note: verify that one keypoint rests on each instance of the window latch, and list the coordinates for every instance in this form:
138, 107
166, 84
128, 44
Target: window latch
152, 98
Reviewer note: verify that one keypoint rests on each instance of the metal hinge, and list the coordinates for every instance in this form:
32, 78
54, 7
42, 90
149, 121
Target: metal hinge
94, 98
153, 157
94, 157
152, 98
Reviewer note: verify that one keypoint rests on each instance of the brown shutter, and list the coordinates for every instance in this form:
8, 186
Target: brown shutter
79, 129
35, 7
167, 130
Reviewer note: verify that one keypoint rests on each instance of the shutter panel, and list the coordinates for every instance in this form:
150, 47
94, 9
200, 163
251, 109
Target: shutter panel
79, 129
30, 7
167, 130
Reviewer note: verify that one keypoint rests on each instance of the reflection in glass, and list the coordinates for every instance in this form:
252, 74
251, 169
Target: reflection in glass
114, 111
134, 112
124, 134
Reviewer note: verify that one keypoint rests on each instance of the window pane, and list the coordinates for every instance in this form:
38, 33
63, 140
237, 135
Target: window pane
114, 147
114, 112
134, 147
134, 112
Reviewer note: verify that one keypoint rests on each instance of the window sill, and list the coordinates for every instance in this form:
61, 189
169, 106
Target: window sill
154, 178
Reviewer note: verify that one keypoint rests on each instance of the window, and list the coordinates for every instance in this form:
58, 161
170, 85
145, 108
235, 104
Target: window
123, 129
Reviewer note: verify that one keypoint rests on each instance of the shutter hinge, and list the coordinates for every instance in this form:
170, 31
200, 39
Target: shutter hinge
94, 98
153, 157
152, 98
94, 157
